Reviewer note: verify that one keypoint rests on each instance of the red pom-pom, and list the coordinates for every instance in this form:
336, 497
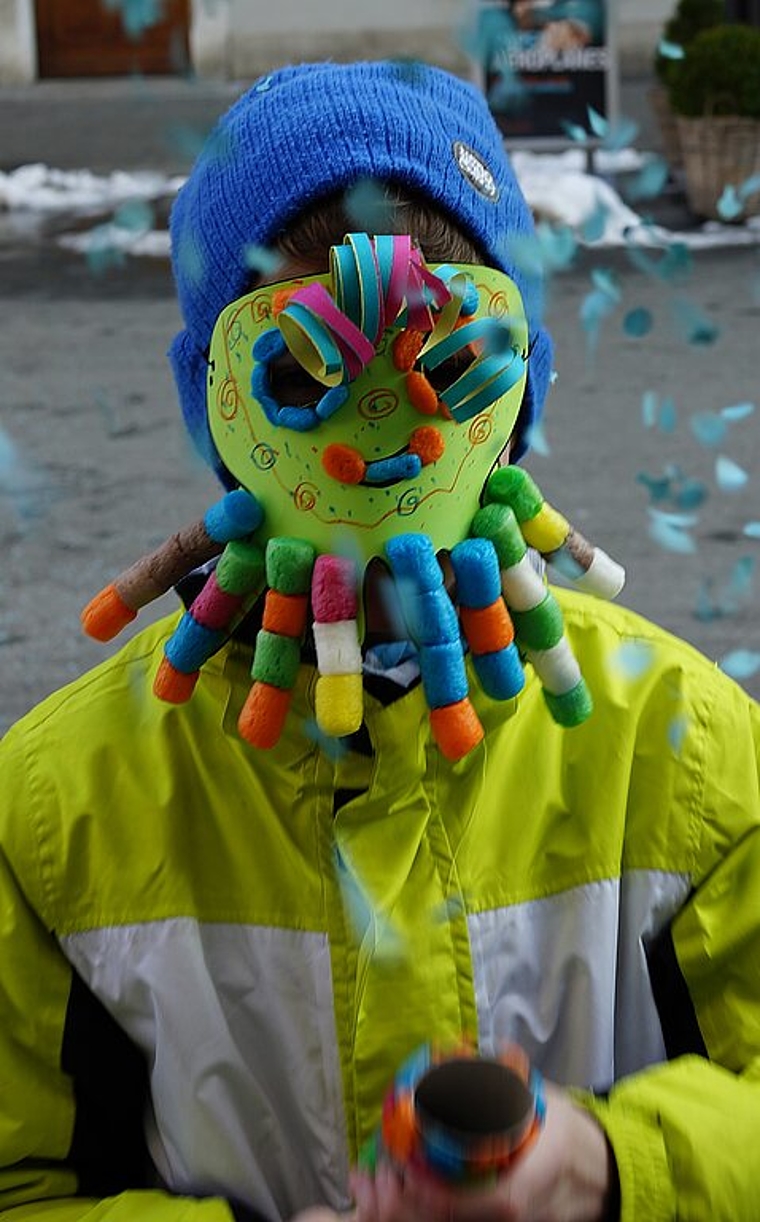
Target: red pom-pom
427, 443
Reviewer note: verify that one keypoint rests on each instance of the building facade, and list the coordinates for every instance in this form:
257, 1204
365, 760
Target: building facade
239, 39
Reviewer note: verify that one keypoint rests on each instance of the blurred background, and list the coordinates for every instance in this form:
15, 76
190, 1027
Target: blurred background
651, 440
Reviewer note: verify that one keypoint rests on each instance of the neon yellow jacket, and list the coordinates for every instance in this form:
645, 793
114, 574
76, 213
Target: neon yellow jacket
275, 931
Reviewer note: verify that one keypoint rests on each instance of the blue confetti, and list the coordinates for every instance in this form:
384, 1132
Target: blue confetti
739, 587
368, 206
738, 411
102, 253
597, 122
659, 487
677, 731
558, 245
592, 229
637, 323
670, 50
333, 748
594, 309
613, 135
486, 35
655, 412
8, 459
690, 495
136, 215
550, 249
752, 530
729, 476
650, 180
706, 610
536, 438
749, 187
28, 489
740, 663
620, 135
674, 265
695, 326
633, 658
708, 428
667, 417
262, 259
649, 402
574, 131
137, 16
507, 91
670, 531
729, 206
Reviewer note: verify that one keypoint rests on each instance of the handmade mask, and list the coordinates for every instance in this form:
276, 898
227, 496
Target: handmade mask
378, 451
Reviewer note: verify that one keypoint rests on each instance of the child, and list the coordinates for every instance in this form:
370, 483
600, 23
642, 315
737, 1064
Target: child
232, 910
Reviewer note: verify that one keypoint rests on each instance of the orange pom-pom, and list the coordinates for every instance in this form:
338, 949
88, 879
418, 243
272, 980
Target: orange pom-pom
285, 613
427, 443
172, 685
456, 728
406, 348
487, 628
106, 614
421, 394
344, 464
263, 715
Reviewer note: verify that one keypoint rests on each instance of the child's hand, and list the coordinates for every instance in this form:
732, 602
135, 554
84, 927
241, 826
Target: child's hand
567, 1176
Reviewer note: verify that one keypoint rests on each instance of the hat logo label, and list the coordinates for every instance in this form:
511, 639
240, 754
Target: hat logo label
475, 170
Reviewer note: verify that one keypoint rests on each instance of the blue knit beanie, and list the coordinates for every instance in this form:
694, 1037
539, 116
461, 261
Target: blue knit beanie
308, 131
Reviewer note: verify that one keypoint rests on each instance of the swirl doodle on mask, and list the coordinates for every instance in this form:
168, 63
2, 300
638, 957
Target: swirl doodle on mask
305, 496
408, 502
228, 399
263, 456
498, 305
235, 335
480, 430
377, 404
260, 306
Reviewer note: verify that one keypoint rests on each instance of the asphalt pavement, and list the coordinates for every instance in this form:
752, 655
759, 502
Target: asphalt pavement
95, 468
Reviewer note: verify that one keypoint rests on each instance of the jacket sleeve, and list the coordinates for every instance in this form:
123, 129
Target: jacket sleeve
39, 1178
686, 1133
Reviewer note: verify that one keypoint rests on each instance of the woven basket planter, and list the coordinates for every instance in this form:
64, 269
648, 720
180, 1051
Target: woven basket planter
718, 151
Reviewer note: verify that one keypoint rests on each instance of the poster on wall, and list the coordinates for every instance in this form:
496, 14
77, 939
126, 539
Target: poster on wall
543, 63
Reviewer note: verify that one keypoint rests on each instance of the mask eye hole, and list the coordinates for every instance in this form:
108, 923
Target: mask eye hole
291, 385
446, 374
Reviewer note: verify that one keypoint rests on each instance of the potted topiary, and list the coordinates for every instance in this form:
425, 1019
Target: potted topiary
715, 93
689, 18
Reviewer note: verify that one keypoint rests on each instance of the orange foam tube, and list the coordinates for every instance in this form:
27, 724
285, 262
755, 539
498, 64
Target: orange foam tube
262, 717
172, 685
106, 614
456, 728
487, 628
285, 613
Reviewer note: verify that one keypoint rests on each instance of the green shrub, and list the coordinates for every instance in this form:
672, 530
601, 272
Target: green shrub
689, 18
719, 74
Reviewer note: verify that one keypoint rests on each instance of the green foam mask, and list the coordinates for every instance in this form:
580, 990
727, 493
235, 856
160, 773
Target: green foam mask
418, 374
